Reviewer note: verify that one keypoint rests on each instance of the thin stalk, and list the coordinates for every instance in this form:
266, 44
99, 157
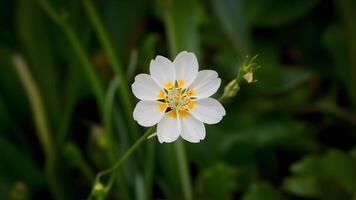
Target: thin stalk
171, 32
347, 13
117, 165
115, 64
37, 106
79, 50
39, 112
183, 170
179, 146
107, 120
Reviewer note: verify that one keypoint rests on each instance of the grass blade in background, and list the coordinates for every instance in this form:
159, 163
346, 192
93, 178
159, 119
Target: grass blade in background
103, 36
181, 27
43, 131
79, 49
233, 21
35, 39
347, 10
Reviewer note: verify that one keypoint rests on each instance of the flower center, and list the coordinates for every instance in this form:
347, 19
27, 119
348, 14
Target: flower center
177, 98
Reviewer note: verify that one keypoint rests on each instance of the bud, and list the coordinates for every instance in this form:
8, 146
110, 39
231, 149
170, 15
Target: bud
248, 77
98, 187
244, 72
247, 69
231, 89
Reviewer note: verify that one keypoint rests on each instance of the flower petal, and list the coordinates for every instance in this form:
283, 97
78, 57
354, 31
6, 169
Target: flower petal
168, 129
145, 88
148, 113
193, 130
206, 84
209, 111
186, 67
162, 71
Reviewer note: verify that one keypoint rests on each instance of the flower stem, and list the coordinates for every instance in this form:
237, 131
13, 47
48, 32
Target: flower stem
115, 64
179, 146
184, 171
118, 164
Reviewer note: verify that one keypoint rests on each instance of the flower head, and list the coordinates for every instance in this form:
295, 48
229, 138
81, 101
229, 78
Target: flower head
177, 98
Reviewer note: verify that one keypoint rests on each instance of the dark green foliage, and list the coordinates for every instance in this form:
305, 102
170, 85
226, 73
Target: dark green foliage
289, 135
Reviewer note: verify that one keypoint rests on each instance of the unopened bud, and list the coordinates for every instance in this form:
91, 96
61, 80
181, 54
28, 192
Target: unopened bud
248, 77
98, 186
231, 89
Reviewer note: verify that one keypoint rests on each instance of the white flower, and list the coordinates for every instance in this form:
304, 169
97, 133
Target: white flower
176, 96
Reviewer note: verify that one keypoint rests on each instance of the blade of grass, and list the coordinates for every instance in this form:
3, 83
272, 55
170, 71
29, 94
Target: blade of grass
230, 14
43, 130
32, 32
79, 50
348, 16
110, 149
101, 190
179, 40
115, 63
39, 112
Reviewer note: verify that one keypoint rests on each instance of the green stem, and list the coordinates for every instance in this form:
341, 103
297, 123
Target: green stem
110, 149
36, 105
118, 164
107, 119
347, 13
171, 32
79, 50
115, 64
43, 130
183, 169
179, 146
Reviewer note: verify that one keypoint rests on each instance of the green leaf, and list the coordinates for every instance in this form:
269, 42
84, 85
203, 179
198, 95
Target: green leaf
277, 12
302, 186
330, 175
308, 166
263, 191
341, 168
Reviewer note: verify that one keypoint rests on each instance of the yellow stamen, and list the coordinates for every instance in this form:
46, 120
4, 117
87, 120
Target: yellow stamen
172, 114
191, 92
180, 83
161, 95
191, 104
177, 99
162, 107
168, 85
183, 114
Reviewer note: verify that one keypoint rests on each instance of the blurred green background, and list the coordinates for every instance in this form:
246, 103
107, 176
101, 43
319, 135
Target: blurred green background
290, 135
